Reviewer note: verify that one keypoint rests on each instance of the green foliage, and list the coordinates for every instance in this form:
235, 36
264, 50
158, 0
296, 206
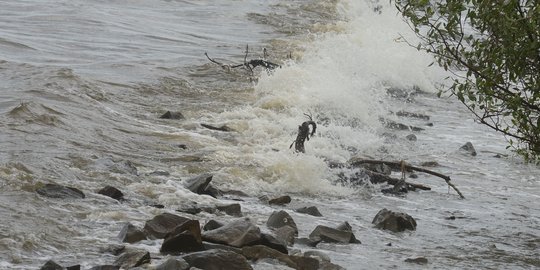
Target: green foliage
492, 47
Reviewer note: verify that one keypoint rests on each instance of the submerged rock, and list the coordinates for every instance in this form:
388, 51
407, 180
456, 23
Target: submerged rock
133, 259
411, 137
280, 200
184, 238
112, 192
393, 221
60, 192
159, 226
419, 260
172, 115
217, 260
311, 210
279, 219
239, 233
131, 234
468, 148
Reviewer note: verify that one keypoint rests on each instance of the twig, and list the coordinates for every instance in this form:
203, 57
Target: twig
304, 134
407, 166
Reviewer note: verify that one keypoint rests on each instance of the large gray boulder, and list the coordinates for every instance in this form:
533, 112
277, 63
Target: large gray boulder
280, 219
311, 210
332, 235
217, 259
184, 238
131, 234
173, 264
393, 221
162, 224
238, 233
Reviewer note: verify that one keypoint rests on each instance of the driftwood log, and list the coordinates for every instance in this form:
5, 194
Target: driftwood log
304, 134
404, 166
250, 65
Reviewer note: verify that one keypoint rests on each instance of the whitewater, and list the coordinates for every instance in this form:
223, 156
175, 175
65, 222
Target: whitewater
83, 84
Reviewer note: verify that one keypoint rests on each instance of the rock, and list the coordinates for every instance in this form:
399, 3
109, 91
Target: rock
212, 191
231, 209
307, 242
280, 200
232, 192
131, 234
114, 249
345, 226
212, 225
273, 243
173, 264
184, 238
239, 233
411, 137
224, 128
198, 184
106, 267
158, 206
60, 192
419, 260
159, 173
311, 210
305, 263
279, 219
133, 259
331, 235
74, 267
172, 115
190, 210
429, 164
468, 148
286, 234
112, 192
258, 252
162, 224
329, 266
393, 221
209, 246
51, 265
217, 260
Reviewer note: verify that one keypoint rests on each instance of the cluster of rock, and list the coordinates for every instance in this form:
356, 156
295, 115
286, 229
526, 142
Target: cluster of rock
236, 244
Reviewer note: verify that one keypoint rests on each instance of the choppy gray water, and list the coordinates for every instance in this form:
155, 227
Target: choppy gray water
83, 84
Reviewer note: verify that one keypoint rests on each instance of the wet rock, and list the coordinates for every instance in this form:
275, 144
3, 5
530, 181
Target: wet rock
217, 260
224, 128
158, 206
106, 267
311, 210
173, 264
184, 238
319, 255
307, 242
279, 219
238, 233
60, 192
430, 164
133, 259
280, 200
114, 249
162, 224
305, 263
231, 209
286, 235
274, 243
413, 115
411, 137
131, 234
190, 210
212, 191
209, 246
468, 148
74, 267
51, 265
419, 260
258, 252
198, 184
172, 115
212, 225
393, 221
159, 173
331, 235
232, 192
112, 192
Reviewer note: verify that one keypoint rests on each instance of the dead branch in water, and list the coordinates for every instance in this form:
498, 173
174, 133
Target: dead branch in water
401, 164
304, 134
377, 178
250, 65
